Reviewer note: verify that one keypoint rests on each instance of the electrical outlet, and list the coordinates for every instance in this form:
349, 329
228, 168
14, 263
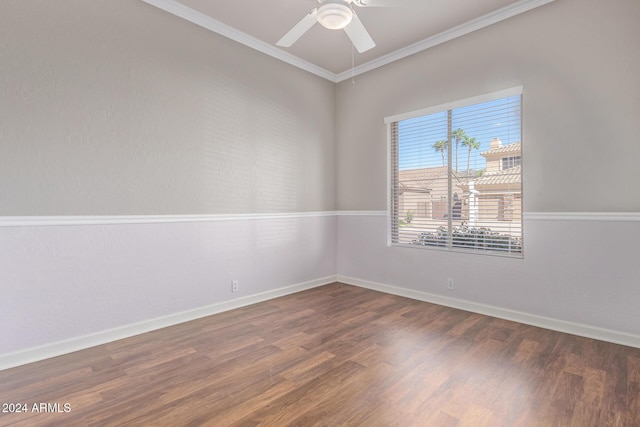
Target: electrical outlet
234, 286
450, 283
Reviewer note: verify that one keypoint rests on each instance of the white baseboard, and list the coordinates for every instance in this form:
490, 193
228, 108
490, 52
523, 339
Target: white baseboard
587, 331
46, 351
58, 348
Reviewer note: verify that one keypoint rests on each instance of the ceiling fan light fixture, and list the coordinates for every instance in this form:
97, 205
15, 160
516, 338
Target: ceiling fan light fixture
334, 14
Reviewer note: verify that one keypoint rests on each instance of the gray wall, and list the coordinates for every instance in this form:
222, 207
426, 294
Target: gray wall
119, 108
116, 107
578, 61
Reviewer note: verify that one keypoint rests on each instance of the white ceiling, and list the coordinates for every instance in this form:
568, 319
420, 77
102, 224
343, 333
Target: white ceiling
397, 31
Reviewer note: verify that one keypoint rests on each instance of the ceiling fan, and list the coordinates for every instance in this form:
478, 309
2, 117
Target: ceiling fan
336, 15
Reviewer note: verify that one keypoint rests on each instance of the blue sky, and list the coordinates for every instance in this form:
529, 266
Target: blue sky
499, 118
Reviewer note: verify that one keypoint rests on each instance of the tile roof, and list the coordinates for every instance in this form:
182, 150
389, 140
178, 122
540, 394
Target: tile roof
516, 147
422, 178
507, 176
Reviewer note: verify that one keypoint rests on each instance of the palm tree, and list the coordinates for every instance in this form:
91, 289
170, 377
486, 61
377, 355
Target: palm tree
459, 135
441, 146
470, 143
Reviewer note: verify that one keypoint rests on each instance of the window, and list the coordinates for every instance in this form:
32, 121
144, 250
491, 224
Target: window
510, 162
455, 175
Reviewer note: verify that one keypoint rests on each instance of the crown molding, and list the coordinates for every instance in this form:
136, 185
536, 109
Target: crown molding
211, 24
445, 36
178, 9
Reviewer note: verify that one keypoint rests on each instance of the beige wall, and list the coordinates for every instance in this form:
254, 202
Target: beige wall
116, 107
494, 161
578, 61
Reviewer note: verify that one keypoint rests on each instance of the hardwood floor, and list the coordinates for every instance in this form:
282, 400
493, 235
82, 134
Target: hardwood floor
335, 356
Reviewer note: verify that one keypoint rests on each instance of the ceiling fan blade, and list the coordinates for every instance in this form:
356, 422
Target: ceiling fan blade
359, 35
299, 29
389, 3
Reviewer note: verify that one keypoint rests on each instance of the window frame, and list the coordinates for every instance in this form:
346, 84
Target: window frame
392, 161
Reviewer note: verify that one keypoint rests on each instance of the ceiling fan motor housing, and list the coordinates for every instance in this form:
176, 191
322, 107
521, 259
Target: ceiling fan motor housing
334, 14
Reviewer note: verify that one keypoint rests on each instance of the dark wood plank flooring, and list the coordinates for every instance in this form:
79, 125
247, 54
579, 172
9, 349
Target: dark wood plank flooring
335, 356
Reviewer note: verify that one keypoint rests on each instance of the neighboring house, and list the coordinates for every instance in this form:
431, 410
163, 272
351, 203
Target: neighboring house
423, 192
494, 196
502, 157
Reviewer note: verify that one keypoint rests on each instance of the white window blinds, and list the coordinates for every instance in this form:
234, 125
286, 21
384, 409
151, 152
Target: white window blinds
456, 175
